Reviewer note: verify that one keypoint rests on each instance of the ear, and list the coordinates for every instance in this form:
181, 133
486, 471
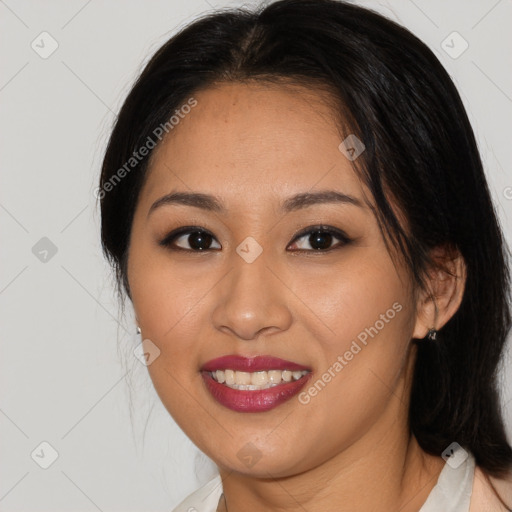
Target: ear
445, 289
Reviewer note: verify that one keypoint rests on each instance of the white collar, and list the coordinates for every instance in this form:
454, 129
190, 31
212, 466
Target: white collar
452, 493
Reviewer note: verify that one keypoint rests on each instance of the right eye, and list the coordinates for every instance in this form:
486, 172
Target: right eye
198, 239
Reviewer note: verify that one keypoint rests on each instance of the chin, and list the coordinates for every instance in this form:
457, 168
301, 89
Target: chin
251, 462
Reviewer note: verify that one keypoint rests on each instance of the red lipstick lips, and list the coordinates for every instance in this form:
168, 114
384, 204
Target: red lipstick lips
258, 400
254, 364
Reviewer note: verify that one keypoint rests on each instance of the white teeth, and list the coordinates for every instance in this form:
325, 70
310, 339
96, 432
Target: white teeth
242, 378
229, 377
256, 380
274, 376
287, 375
259, 378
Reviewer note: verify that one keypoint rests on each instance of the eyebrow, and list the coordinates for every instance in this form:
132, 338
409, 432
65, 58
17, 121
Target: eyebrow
293, 203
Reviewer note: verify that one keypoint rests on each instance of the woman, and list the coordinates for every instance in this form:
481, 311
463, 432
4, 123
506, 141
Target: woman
294, 203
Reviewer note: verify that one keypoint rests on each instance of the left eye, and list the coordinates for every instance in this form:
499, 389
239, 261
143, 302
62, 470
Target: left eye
320, 239
197, 238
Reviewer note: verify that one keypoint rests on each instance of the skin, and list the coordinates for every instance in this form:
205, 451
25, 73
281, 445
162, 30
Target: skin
349, 449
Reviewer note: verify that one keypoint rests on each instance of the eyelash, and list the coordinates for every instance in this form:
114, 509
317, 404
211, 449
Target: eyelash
168, 240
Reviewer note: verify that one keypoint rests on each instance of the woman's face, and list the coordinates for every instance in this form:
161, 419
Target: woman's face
347, 314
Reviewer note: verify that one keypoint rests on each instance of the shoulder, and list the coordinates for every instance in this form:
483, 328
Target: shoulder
203, 499
484, 498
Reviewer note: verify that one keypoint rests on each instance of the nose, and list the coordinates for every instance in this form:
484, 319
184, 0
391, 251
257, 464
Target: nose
252, 300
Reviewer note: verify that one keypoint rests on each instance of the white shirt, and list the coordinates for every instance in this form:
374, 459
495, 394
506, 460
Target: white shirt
452, 493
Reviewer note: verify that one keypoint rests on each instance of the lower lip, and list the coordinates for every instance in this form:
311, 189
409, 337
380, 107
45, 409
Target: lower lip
253, 401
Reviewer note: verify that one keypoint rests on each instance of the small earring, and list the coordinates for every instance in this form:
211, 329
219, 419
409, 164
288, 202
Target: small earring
432, 334
138, 330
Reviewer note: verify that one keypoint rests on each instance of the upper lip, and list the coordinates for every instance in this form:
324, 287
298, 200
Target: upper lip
251, 364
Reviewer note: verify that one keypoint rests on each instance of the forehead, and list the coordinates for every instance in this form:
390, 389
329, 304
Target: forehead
258, 139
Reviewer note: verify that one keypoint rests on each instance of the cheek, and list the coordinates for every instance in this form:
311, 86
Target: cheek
363, 319
349, 300
167, 303
358, 378
166, 297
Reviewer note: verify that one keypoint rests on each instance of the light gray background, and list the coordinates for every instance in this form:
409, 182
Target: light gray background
62, 378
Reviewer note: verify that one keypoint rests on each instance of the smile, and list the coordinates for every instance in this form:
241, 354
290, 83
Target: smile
247, 381
253, 384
